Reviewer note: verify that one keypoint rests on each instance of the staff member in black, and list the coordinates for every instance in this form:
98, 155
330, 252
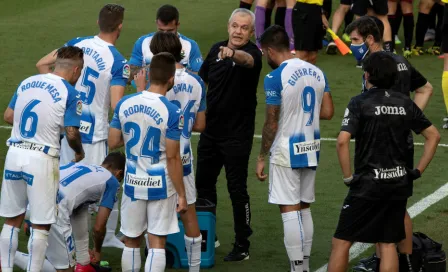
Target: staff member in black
231, 70
379, 120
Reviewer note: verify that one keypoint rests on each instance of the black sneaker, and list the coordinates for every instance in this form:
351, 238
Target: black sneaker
368, 264
239, 253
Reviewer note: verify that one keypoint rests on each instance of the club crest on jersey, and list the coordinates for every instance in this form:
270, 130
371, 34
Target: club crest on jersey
79, 107
126, 71
181, 121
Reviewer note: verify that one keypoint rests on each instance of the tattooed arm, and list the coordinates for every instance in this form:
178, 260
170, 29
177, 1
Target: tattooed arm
74, 141
269, 131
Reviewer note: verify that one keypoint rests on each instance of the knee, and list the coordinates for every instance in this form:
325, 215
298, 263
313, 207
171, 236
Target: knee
339, 245
132, 242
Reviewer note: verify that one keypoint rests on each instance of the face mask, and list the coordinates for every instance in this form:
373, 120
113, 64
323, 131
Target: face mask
359, 51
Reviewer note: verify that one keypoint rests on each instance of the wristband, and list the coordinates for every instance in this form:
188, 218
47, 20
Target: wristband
348, 180
233, 50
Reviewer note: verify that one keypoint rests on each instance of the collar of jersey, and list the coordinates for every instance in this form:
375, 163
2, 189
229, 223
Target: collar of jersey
150, 94
53, 76
180, 71
101, 41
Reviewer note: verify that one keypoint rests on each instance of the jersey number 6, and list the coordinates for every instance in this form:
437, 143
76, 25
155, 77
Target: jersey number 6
28, 131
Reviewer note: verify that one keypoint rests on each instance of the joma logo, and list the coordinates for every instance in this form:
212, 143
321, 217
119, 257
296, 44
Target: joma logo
389, 110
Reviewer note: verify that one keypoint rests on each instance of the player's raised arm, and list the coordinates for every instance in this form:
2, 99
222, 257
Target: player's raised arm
327, 107
46, 64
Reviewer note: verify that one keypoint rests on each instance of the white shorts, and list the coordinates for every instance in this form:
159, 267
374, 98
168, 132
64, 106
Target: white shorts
94, 153
290, 186
30, 177
190, 187
61, 246
158, 217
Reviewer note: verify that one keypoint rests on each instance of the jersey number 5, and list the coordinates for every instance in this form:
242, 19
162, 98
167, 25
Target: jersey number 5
308, 103
28, 116
89, 90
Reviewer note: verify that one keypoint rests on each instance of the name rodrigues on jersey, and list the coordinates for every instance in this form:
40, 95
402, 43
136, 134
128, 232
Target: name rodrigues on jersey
306, 147
389, 110
182, 87
389, 173
43, 85
302, 72
96, 57
144, 109
150, 182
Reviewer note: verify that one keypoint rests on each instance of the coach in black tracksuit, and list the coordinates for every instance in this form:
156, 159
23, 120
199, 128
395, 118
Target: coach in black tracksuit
231, 70
379, 120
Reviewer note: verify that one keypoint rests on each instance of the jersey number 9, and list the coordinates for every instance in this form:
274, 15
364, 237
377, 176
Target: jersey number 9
308, 103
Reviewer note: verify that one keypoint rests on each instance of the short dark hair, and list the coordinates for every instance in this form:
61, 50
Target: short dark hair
382, 69
365, 26
70, 53
110, 17
276, 37
167, 13
166, 42
162, 67
115, 160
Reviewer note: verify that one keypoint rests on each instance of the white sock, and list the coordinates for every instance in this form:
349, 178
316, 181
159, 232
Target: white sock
82, 251
293, 231
110, 240
112, 222
308, 229
156, 260
37, 246
9, 241
131, 260
21, 261
193, 246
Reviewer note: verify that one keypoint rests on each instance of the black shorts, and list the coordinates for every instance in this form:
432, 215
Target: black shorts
445, 30
346, 2
327, 7
308, 27
368, 221
360, 7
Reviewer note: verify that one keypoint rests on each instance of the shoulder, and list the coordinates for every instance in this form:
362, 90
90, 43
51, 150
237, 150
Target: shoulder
116, 54
144, 37
195, 78
276, 73
185, 38
126, 98
78, 40
70, 89
171, 107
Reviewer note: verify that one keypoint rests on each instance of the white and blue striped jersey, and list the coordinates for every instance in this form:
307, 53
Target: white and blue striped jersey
191, 55
104, 67
146, 120
82, 184
43, 105
298, 87
188, 93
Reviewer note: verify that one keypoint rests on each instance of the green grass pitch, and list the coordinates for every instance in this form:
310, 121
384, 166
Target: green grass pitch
32, 28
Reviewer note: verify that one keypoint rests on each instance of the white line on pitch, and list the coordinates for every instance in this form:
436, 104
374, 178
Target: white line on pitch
359, 248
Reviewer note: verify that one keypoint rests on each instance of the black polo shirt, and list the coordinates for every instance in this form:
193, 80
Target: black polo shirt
380, 121
232, 93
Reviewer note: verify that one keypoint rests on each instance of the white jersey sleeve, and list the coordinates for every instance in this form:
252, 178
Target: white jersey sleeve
104, 67
298, 88
188, 93
43, 105
146, 121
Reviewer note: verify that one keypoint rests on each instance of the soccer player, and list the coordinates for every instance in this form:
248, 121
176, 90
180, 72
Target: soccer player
445, 61
101, 86
408, 22
308, 21
379, 120
188, 93
365, 34
39, 109
81, 184
167, 20
231, 70
297, 96
149, 126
